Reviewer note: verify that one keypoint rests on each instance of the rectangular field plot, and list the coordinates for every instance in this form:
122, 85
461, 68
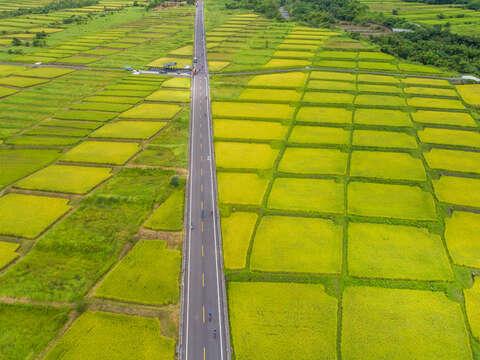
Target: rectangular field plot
152, 111
132, 281
380, 100
383, 139
17, 163
375, 88
114, 99
421, 102
129, 129
418, 90
382, 79
307, 195
443, 118
169, 215
101, 335
8, 253
426, 82
177, 82
461, 235
20, 81
331, 85
235, 155
67, 179
102, 152
450, 137
268, 95
453, 160
286, 63
382, 117
237, 230
458, 191
324, 115
313, 161
293, 244
42, 140
282, 319
470, 93
396, 252
319, 135
386, 165
29, 215
101, 106
472, 302
170, 95
241, 188
6, 91
252, 110
244, 129
288, 79
327, 97
86, 115
397, 324
394, 201
27, 330
328, 75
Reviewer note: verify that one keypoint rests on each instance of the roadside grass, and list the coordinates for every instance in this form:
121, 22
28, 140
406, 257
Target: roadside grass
295, 244
237, 229
29, 215
66, 179
282, 319
390, 201
148, 274
392, 322
101, 335
460, 234
27, 329
236, 155
396, 252
458, 190
102, 152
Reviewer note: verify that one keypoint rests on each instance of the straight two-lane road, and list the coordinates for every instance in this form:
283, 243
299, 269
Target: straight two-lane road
204, 332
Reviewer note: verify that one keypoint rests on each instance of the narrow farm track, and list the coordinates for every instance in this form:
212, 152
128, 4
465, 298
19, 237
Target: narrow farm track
204, 332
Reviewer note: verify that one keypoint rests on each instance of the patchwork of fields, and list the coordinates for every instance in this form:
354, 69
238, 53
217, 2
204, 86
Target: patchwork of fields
92, 194
462, 21
349, 203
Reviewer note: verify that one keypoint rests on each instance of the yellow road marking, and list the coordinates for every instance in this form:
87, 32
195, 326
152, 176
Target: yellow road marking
201, 187
202, 226
204, 353
203, 313
203, 279
201, 171
201, 146
201, 204
203, 251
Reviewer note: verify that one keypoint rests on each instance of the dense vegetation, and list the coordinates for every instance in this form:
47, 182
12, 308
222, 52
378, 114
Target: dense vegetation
435, 46
53, 6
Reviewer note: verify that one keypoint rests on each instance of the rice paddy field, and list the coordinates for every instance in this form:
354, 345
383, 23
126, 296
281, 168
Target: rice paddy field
349, 198
88, 206
462, 21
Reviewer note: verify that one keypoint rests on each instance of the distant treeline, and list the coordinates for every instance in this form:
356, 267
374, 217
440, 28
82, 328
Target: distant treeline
53, 6
435, 46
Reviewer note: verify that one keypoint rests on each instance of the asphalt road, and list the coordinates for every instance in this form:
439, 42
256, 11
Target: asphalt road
204, 332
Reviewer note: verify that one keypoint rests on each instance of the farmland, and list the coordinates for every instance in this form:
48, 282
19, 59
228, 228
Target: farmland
360, 205
92, 183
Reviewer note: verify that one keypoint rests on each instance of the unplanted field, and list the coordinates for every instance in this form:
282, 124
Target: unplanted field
148, 274
390, 201
398, 324
244, 155
29, 215
396, 252
295, 244
67, 179
237, 230
461, 234
102, 152
307, 195
101, 335
282, 319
